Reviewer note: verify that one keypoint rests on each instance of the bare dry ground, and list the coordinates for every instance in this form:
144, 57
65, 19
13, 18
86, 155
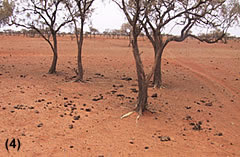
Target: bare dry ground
197, 114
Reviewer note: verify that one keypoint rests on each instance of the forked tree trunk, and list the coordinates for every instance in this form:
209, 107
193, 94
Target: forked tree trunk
55, 56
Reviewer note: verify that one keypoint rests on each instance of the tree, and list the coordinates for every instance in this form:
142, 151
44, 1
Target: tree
46, 17
6, 11
93, 31
213, 35
132, 10
158, 15
79, 10
115, 32
126, 29
141, 14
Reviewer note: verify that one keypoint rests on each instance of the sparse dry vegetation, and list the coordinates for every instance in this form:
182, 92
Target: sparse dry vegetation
62, 113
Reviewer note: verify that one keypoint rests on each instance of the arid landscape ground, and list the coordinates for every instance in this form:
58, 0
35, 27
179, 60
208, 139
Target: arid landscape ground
196, 114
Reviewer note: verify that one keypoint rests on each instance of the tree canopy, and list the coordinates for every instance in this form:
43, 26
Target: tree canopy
6, 11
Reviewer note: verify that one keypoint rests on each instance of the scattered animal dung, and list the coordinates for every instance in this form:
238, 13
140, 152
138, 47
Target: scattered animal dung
23, 76
76, 117
164, 138
188, 118
40, 125
120, 95
65, 105
113, 91
70, 126
19, 107
98, 74
197, 126
209, 104
198, 107
118, 86
154, 95
219, 134
134, 90
126, 78
88, 110
100, 97
40, 100
31, 107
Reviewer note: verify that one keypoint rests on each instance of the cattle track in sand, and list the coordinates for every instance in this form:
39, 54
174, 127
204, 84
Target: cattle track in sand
202, 74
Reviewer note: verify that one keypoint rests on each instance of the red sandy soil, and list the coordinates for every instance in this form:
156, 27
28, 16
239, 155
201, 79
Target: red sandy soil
199, 108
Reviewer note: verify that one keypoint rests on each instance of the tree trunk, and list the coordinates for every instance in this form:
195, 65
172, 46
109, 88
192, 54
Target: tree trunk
52, 69
80, 67
142, 96
80, 43
157, 78
130, 39
55, 55
142, 83
157, 75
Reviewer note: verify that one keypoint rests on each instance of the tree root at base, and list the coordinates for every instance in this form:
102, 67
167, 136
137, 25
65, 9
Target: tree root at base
127, 114
161, 87
51, 72
130, 113
79, 80
138, 112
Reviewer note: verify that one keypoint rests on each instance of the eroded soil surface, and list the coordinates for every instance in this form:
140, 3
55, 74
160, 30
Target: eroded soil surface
196, 114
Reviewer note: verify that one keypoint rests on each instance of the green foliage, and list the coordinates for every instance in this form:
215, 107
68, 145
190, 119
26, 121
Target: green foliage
126, 28
6, 11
